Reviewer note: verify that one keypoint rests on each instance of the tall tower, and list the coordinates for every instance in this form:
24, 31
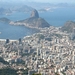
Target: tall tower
4, 50
73, 57
73, 34
18, 52
74, 30
37, 52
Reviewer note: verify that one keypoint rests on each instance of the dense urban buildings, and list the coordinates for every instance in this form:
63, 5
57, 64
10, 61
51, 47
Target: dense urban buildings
50, 52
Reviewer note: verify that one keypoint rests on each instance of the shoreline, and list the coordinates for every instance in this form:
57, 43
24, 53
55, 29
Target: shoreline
23, 24
26, 25
11, 40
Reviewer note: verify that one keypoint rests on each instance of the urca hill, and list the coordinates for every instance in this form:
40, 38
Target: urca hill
34, 21
68, 26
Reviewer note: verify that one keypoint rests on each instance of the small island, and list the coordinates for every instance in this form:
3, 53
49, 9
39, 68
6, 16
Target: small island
5, 20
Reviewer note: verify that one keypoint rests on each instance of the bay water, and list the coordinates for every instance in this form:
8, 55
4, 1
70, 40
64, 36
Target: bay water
57, 17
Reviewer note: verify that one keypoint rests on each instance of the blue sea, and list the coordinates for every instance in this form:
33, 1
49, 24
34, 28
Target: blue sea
56, 18
59, 16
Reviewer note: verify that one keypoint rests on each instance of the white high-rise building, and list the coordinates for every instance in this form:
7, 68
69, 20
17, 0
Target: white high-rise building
73, 57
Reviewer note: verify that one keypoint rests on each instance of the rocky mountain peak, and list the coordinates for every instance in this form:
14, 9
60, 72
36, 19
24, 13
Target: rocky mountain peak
68, 26
34, 13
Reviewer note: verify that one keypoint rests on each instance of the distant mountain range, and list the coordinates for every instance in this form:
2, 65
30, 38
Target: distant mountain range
5, 11
8, 10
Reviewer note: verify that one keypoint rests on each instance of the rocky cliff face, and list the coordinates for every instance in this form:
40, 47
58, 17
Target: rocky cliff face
35, 14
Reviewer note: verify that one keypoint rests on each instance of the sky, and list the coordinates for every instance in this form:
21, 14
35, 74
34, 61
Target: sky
43, 1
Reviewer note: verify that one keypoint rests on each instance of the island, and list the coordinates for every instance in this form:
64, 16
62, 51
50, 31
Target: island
5, 20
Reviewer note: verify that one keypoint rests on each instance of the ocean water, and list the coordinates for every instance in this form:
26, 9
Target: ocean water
59, 16
14, 32
56, 18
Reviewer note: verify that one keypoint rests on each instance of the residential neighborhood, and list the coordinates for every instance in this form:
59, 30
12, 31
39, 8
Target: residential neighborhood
50, 52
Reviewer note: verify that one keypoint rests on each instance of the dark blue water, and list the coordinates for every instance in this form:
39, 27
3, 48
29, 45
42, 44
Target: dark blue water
59, 16
16, 16
56, 18
14, 32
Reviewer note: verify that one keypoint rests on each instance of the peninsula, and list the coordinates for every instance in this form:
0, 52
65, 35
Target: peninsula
34, 21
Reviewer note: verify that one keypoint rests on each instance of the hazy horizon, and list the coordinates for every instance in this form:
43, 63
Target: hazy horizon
41, 1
